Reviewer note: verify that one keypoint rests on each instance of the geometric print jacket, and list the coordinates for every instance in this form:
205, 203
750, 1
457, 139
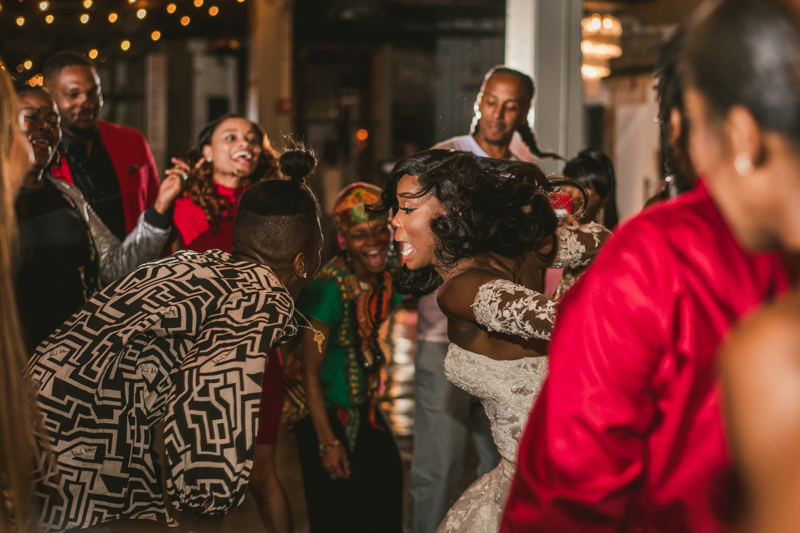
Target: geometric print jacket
183, 341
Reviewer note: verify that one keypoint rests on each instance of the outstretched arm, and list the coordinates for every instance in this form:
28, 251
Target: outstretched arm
579, 245
498, 305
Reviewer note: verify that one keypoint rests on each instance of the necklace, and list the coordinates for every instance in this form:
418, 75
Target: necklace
318, 335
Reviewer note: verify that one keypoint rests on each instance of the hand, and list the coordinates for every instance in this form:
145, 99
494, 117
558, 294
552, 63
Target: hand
335, 462
569, 221
168, 191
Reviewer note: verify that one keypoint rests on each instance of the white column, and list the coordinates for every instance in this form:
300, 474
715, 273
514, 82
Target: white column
156, 90
543, 38
270, 77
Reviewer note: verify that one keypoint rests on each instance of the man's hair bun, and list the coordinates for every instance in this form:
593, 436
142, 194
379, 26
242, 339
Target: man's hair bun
297, 164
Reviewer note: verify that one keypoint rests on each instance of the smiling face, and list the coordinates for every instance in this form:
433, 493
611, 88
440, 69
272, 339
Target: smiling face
76, 91
40, 123
368, 244
412, 224
503, 108
235, 148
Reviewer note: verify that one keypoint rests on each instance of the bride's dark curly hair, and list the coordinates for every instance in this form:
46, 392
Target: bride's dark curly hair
200, 185
491, 206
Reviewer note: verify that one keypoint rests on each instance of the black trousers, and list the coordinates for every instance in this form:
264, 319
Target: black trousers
371, 501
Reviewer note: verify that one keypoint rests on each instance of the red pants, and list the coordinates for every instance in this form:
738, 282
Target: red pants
269, 412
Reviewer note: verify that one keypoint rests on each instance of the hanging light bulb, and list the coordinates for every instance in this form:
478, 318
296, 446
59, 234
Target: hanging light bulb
213, 11
112, 17
20, 21
44, 5
171, 8
49, 19
198, 3
93, 54
185, 21
156, 35
87, 4
125, 45
131, 1
28, 64
142, 13
84, 18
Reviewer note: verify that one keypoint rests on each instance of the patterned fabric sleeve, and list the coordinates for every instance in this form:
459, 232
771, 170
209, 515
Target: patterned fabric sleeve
506, 307
210, 427
577, 247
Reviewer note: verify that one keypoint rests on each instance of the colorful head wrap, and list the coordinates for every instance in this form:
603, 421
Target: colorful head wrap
350, 203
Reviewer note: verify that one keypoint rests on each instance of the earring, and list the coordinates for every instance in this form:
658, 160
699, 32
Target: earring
208, 159
305, 275
743, 165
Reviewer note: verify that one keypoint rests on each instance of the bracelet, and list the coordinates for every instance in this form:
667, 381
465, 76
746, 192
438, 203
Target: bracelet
326, 447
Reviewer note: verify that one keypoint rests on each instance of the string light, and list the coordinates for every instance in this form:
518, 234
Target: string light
93, 54
156, 35
49, 19
142, 13
198, 3
84, 18
43, 6
28, 64
185, 21
171, 8
125, 45
87, 4
20, 68
112, 17
213, 11
20, 21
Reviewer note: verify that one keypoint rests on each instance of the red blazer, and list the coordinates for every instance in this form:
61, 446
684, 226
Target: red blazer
627, 434
135, 167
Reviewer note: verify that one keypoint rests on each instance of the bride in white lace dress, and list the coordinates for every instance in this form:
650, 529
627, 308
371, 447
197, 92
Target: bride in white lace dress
483, 230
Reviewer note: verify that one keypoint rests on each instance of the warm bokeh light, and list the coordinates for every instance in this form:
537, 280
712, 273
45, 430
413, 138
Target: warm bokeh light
185, 21
112, 17
131, 1
93, 54
1, 10
362, 135
125, 44
198, 3
84, 18
20, 21
142, 13
28, 64
49, 19
171, 8
240, 1
156, 35
43, 6
213, 11
87, 4
20, 68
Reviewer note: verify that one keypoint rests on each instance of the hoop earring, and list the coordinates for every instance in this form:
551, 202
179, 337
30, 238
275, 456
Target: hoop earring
743, 165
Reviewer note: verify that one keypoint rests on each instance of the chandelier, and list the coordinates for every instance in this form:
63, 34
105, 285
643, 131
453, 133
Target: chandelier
601, 36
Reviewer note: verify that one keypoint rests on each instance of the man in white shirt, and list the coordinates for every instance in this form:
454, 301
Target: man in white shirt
444, 412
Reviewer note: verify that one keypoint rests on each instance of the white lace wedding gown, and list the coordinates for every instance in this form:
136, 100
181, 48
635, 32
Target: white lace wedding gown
507, 389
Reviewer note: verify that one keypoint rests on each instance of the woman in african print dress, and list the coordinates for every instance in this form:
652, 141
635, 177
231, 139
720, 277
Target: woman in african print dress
352, 471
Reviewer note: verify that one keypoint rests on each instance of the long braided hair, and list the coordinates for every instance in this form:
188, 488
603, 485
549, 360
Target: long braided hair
524, 129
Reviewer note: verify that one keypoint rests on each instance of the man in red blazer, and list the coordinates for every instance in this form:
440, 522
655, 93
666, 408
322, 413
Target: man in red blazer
112, 165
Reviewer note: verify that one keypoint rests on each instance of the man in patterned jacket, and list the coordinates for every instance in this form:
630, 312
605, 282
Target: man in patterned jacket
174, 351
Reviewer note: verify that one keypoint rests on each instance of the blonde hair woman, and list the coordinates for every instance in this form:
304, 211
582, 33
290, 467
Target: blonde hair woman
17, 444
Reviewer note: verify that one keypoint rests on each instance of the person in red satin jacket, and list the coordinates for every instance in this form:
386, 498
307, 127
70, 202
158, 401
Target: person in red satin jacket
112, 165
627, 433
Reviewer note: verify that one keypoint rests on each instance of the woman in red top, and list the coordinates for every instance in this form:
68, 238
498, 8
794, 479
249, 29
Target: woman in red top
230, 154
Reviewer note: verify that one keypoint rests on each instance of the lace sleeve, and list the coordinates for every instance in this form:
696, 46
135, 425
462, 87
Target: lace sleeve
506, 307
579, 246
